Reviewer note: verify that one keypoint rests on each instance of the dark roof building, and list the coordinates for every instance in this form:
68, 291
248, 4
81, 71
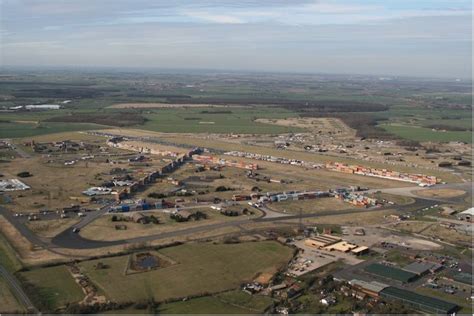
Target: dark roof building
418, 301
421, 268
371, 288
463, 277
391, 273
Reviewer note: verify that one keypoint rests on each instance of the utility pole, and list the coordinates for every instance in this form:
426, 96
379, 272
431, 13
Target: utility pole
301, 219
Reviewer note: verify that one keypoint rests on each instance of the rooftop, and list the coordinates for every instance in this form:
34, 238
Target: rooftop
359, 249
341, 246
390, 272
372, 286
421, 301
469, 211
419, 267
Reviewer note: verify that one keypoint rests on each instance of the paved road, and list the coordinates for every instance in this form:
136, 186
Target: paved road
408, 191
92, 216
17, 290
68, 239
19, 151
24, 231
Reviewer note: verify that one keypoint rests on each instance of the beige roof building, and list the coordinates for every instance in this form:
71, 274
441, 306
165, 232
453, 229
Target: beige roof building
342, 246
322, 240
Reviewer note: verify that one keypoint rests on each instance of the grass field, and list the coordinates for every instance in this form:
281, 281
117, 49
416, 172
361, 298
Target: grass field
219, 120
426, 134
8, 302
104, 229
8, 260
177, 120
201, 268
232, 302
16, 130
412, 122
311, 206
202, 305
55, 286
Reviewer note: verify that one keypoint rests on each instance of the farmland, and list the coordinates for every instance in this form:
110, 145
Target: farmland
229, 120
104, 229
54, 287
8, 302
229, 104
30, 129
202, 268
232, 302
423, 134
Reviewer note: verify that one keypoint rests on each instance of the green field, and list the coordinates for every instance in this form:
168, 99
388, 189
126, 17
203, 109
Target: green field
8, 260
403, 113
233, 302
8, 257
14, 130
202, 268
8, 302
414, 123
177, 120
426, 134
54, 285
196, 120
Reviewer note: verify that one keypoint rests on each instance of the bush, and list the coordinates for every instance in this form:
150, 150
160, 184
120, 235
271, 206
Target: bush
24, 174
223, 189
155, 195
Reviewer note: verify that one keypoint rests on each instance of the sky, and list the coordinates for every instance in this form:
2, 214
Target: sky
425, 38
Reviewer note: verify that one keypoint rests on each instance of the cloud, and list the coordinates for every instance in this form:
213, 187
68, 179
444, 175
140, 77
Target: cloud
214, 18
276, 35
52, 28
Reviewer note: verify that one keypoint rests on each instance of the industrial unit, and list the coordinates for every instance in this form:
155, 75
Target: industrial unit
371, 288
392, 273
418, 301
467, 215
422, 268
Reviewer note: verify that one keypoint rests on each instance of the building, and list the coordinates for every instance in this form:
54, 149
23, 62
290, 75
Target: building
464, 277
341, 246
321, 241
467, 215
97, 191
422, 268
12, 185
43, 107
419, 302
447, 211
391, 273
139, 218
371, 288
327, 301
359, 251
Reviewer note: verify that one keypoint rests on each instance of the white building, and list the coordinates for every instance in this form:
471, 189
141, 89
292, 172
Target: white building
467, 215
43, 107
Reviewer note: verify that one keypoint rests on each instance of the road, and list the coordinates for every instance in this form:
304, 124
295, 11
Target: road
68, 239
408, 191
17, 290
19, 151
